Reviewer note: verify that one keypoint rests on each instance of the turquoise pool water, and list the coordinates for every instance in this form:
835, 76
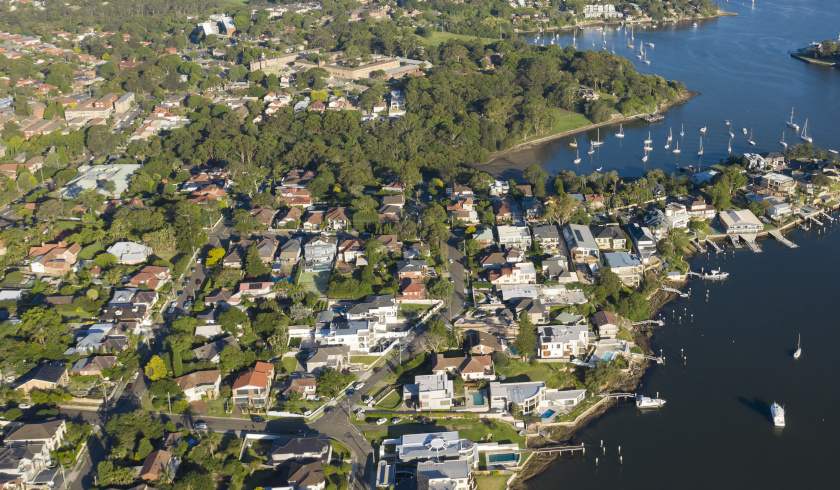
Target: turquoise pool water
502, 458
548, 414
478, 398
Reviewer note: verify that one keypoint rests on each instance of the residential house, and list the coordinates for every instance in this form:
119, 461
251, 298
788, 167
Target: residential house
21, 465
699, 209
503, 209
289, 219
469, 368
264, 216
778, 183
211, 351
524, 397
356, 335
391, 243
430, 392
610, 237
200, 385
54, 259
150, 277
514, 236
252, 388
437, 446
676, 216
336, 219
643, 241
556, 268
607, 324
93, 366
50, 433
302, 449
493, 261
305, 386
159, 465
266, 248
329, 356
627, 267
379, 309
463, 211
313, 220
477, 342
521, 273
290, 252
484, 237
563, 341
47, 375
581, 244
413, 269
778, 212
450, 475
738, 221
548, 236
304, 476
319, 253
130, 253
412, 290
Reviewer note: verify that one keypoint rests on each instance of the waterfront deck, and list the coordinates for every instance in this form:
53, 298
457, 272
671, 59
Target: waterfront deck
751, 243
781, 238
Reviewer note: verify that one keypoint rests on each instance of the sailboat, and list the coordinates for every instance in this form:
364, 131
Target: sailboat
591, 150
700, 151
682, 130
598, 141
792, 125
645, 157
641, 51
703, 130
620, 133
573, 143
798, 352
744, 130
731, 134
599, 169
728, 123
649, 140
751, 141
577, 156
729, 147
804, 136
670, 135
677, 150
783, 142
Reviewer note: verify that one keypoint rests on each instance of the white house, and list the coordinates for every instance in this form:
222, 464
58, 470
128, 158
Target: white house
130, 253
200, 385
430, 392
627, 267
514, 236
737, 221
525, 397
450, 475
581, 243
563, 341
676, 216
519, 273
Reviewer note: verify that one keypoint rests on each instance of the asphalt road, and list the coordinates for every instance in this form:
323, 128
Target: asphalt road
459, 276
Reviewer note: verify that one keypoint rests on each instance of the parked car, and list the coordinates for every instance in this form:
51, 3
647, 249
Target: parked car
395, 420
200, 425
382, 421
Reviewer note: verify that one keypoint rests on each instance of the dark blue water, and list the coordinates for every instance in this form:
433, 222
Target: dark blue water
716, 431
741, 68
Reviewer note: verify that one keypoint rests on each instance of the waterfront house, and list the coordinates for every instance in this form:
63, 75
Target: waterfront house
525, 397
450, 475
676, 216
778, 183
437, 446
430, 392
740, 221
607, 324
563, 341
581, 244
778, 212
643, 241
627, 267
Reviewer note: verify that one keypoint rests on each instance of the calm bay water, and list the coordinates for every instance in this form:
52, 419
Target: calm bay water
741, 68
716, 430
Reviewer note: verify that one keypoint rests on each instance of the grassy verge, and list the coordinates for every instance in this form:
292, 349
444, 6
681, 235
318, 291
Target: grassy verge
390, 402
366, 360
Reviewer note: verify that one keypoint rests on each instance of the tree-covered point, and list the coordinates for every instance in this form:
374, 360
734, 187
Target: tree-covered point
825, 51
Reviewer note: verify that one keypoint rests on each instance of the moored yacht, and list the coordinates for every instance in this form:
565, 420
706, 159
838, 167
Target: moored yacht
648, 402
778, 413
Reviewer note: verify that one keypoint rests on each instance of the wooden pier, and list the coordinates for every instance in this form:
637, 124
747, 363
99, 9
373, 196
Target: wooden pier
781, 238
827, 216
698, 245
714, 245
560, 450
751, 243
675, 291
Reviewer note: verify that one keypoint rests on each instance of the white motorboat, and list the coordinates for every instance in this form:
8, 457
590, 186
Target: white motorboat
782, 141
798, 352
778, 413
573, 143
644, 402
703, 130
677, 150
682, 129
620, 133
649, 140
577, 156
715, 275
700, 151
751, 141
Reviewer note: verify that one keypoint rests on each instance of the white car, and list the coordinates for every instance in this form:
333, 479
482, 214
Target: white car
382, 421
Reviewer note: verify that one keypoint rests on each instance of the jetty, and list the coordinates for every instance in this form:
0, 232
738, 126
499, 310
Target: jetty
714, 245
781, 238
565, 449
675, 291
698, 245
751, 243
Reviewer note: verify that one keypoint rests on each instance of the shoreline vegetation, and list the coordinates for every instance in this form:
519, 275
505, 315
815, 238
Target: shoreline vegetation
498, 161
824, 53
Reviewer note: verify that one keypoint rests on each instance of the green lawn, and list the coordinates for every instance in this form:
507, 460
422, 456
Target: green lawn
290, 364
566, 121
390, 402
317, 282
437, 38
494, 481
472, 428
554, 374
413, 311
366, 360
